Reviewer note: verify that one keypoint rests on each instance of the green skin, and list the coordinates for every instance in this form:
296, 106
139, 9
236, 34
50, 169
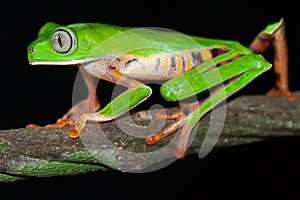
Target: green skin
91, 41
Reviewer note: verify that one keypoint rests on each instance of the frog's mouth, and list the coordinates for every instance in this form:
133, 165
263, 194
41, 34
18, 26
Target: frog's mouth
64, 62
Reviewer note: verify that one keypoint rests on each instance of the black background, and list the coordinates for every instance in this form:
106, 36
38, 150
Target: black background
41, 94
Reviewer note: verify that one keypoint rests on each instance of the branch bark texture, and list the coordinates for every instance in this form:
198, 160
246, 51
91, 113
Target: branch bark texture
120, 144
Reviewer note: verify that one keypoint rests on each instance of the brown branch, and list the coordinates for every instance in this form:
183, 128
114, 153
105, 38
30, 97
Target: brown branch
44, 152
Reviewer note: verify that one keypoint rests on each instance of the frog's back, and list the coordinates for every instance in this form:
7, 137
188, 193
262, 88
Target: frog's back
154, 53
160, 54
97, 32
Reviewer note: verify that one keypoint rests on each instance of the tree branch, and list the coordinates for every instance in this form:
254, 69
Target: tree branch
118, 144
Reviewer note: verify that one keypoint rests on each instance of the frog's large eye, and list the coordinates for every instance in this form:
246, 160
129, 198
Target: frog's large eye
62, 41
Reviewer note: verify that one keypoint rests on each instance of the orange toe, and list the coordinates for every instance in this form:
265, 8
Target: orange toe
74, 133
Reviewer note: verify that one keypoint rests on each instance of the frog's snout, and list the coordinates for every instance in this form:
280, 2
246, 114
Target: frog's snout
31, 50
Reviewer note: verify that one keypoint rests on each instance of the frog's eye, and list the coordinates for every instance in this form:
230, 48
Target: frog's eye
62, 41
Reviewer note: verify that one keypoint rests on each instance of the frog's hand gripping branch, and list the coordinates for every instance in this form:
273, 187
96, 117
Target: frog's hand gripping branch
236, 73
275, 33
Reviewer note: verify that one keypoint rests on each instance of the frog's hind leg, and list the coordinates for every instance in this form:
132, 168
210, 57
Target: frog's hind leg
244, 70
275, 33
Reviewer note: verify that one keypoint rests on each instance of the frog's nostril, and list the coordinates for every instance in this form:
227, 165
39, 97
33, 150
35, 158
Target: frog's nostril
31, 50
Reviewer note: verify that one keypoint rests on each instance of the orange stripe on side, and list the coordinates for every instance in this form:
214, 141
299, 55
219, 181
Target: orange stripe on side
179, 62
165, 64
206, 54
188, 60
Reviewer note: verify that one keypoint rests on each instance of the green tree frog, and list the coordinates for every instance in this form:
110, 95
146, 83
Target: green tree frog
186, 68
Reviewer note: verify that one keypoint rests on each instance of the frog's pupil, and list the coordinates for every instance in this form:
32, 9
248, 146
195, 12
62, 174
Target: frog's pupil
59, 41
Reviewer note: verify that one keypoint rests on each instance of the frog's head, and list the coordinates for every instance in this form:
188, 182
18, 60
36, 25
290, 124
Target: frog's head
66, 45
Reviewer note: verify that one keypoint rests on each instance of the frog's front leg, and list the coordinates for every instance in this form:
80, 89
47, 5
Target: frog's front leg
275, 33
134, 95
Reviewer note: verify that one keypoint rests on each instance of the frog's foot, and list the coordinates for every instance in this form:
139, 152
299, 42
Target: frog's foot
179, 118
285, 93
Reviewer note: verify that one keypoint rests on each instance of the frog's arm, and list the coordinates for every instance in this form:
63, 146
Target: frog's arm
137, 92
